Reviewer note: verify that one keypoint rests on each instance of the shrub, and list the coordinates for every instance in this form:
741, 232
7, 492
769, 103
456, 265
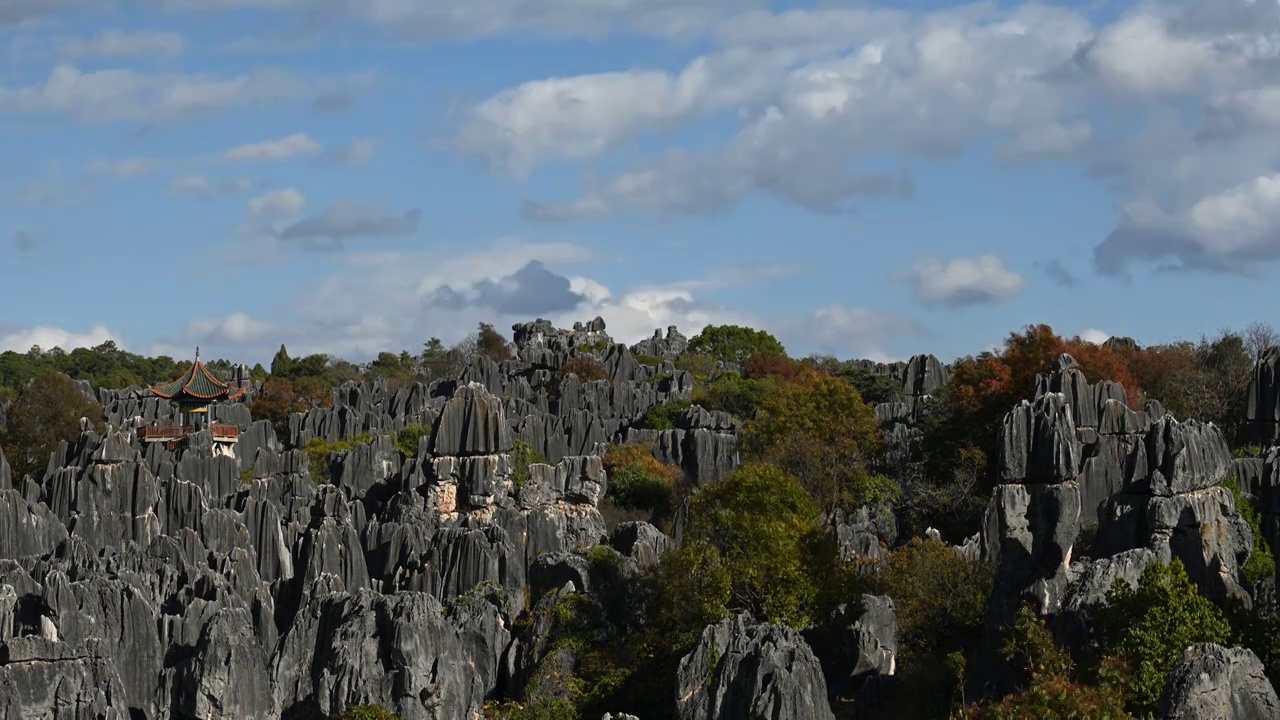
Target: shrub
407, 439
368, 712
1051, 690
319, 449
734, 343
638, 480
1150, 625
46, 411
542, 709
1261, 563
522, 456
650, 360
764, 526
663, 415
818, 429
940, 597
585, 368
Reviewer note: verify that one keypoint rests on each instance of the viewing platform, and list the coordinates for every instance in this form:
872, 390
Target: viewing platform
173, 433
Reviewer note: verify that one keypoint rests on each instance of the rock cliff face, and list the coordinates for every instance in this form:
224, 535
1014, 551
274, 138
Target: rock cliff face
1211, 681
746, 671
142, 582
1078, 456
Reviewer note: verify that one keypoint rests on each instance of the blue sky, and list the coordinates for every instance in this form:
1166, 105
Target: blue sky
866, 180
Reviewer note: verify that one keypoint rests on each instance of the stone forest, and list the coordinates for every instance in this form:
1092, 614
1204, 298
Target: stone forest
557, 526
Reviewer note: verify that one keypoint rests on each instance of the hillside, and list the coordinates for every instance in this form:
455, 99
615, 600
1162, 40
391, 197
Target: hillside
554, 525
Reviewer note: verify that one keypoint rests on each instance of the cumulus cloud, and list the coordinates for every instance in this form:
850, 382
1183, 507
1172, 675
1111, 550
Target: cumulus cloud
1059, 274
119, 44
848, 332
360, 152
820, 92
201, 185
234, 329
1095, 336
286, 148
48, 337
1228, 230
286, 203
348, 221
124, 168
825, 89
117, 95
533, 289
964, 281
443, 21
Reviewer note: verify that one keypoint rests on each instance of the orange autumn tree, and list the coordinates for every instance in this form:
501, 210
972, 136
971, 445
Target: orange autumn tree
962, 431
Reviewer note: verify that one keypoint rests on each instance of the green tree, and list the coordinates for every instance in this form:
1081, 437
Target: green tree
638, 481
491, 343
1150, 625
44, 413
734, 343
940, 599
765, 528
282, 364
817, 429
1051, 690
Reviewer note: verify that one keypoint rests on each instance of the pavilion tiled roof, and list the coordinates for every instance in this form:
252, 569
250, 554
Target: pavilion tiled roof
197, 383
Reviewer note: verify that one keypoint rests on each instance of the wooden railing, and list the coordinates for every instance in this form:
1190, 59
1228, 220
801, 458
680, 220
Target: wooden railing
177, 432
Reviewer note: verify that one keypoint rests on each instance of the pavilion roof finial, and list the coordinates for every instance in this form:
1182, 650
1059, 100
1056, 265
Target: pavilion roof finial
197, 352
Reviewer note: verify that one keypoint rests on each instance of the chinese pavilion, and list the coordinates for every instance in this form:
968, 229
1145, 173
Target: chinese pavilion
194, 393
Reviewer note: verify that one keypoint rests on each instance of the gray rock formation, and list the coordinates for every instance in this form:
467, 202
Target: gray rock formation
745, 671
1211, 682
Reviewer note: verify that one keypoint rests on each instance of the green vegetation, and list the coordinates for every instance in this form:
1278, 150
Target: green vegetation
522, 456
319, 449
587, 369
734, 343
592, 348
662, 416
407, 439
45, 412
638, 481
817, 429
1149, 626
764, 526
1051, 686
650, 360
1261, 563
368, 712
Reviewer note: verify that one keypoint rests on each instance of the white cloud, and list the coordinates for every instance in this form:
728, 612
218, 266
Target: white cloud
1227, 230
118, 44
964, 281
820, 103
1053, 140
201, 185
234, 329
850, 332
360, 152
130, 96
286, 148
1095, 336
48, 337
192, 184
278, 204
433, 20
128, 167
1138, 54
